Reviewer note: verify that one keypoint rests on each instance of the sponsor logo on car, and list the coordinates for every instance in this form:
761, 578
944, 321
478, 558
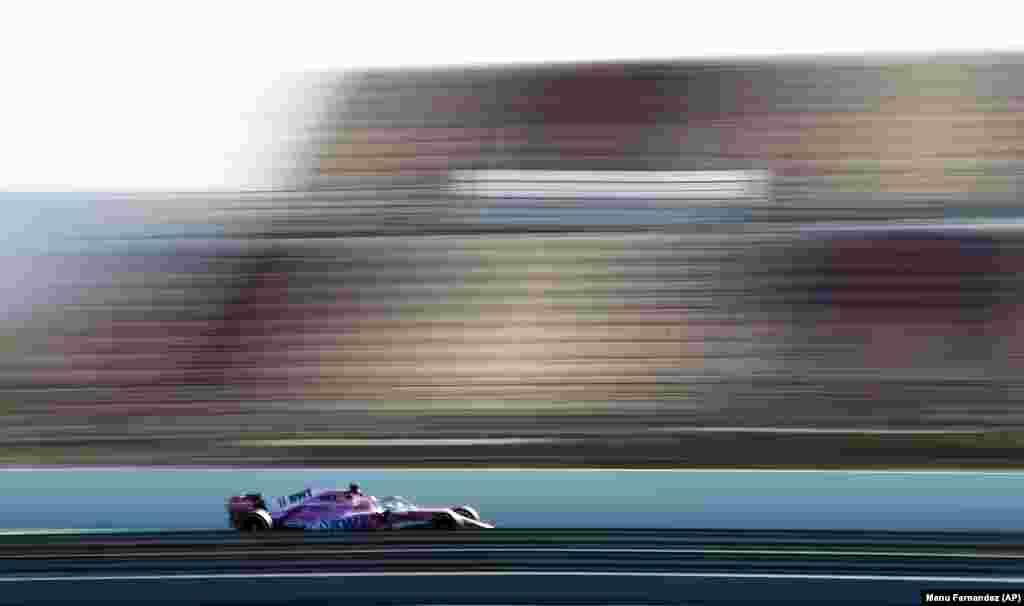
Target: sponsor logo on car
361, 522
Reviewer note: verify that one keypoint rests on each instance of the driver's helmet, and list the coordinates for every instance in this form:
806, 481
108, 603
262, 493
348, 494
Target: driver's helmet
353, 489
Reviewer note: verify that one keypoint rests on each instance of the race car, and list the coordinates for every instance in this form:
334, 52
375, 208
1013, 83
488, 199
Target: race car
332, 509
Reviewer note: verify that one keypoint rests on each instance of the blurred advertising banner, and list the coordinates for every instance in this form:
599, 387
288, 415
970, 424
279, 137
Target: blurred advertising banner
610, 199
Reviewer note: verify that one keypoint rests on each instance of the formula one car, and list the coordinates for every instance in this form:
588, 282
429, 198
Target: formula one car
350, 509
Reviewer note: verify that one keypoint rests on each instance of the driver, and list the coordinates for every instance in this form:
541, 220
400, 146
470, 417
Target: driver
358, 500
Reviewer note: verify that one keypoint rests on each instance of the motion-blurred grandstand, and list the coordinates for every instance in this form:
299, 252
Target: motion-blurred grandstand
648, 262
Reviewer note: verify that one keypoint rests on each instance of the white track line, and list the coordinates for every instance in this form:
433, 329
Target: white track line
426, 550
526, 573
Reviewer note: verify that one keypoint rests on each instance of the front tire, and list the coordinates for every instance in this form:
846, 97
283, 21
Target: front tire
467, 512
445, 522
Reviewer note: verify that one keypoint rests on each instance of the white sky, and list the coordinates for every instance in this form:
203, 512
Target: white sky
174, 95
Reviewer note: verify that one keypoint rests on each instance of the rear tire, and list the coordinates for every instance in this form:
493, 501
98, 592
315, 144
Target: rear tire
256, 522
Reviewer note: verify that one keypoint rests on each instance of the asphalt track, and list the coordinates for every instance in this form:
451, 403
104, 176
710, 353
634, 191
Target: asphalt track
505, 567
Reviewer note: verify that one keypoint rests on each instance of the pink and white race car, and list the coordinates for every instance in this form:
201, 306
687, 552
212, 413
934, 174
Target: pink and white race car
350, 509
